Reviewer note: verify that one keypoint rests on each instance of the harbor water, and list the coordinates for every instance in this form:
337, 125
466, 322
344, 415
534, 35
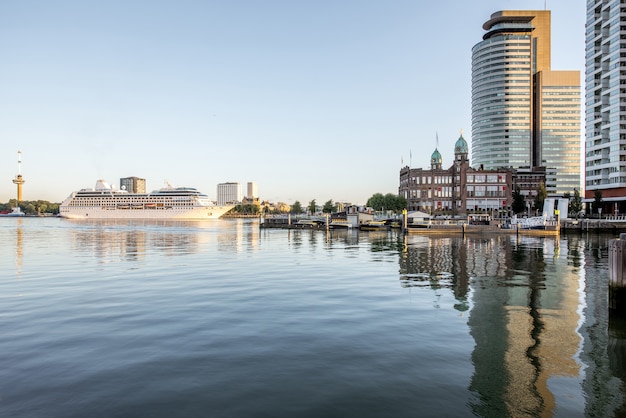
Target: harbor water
225, 319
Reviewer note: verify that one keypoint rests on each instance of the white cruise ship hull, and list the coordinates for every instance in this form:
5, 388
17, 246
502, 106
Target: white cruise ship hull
199, 213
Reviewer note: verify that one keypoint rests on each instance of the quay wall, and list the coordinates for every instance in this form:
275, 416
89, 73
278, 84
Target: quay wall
566, 226
593, 225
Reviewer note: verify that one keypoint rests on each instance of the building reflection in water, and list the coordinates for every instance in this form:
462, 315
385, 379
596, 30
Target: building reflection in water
604, 349
543, 340
19, 245
112, 241
523, 315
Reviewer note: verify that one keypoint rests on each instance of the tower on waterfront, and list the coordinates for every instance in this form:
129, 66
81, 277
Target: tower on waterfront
19, 180
523, 113
605, 108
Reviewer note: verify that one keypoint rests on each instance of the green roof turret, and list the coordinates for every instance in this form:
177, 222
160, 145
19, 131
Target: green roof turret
461, 145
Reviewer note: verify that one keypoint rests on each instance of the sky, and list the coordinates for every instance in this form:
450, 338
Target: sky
322, 100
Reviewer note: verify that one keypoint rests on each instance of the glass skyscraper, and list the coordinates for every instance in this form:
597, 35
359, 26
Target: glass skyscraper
523, 113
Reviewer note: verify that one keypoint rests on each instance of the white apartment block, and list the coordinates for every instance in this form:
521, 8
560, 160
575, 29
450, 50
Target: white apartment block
229, 193
605, 103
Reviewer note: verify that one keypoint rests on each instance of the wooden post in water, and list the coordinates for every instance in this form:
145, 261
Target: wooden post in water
405, 219
617, 274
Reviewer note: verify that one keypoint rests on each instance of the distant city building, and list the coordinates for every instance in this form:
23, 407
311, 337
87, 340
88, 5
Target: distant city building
528, 180
256, 201
229, 193
133, 184
523, 113
252, 192
605, 108
461, 189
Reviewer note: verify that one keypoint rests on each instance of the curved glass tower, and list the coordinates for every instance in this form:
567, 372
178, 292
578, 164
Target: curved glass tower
524, 114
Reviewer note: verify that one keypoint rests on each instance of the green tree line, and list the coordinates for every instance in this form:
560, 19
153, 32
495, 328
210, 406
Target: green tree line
389, 202
31, 207
378, 202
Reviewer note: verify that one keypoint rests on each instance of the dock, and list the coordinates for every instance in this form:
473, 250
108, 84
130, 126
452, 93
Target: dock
614, 225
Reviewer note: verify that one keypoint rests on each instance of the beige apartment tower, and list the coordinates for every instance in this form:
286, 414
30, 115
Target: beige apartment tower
524, 114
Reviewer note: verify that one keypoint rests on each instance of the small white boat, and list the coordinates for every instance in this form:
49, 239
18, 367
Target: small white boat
16, 211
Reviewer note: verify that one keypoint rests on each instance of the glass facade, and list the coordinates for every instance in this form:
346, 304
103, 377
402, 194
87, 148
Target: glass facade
605, 99
501, 101
560, 135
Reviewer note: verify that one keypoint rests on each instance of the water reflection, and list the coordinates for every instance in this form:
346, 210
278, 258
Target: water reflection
19, 245
543, 341
133, 240
523, 317
616, 351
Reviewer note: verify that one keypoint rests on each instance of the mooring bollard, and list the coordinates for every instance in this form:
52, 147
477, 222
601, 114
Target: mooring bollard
617, 274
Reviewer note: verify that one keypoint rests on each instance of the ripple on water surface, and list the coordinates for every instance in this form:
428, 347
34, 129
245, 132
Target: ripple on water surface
225, 319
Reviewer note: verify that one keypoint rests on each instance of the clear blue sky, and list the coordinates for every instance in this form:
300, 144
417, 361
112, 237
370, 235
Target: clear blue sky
309, 99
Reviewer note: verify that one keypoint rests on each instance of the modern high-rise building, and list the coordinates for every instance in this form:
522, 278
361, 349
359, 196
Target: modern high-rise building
133, 184
523, 113
229, 193
605, 103
253, 191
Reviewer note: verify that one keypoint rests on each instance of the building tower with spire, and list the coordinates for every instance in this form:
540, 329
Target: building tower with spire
19, 180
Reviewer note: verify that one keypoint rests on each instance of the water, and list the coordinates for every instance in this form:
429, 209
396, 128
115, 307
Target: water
224, 319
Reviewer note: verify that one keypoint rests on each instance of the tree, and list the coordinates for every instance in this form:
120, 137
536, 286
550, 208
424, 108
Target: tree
541, 196
296, 207
597, 200
394, 202
312, 206
329, 207
389, 201
31, 207
376, 202
519, 203
246, 209
576, 205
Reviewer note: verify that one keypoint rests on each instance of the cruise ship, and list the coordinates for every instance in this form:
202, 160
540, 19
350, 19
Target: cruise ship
104, 202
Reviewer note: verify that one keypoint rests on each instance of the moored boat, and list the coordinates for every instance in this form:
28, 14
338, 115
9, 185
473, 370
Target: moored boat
374, 226
15, 212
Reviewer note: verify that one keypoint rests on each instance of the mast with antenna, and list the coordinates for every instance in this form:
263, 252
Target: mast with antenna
19, 180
